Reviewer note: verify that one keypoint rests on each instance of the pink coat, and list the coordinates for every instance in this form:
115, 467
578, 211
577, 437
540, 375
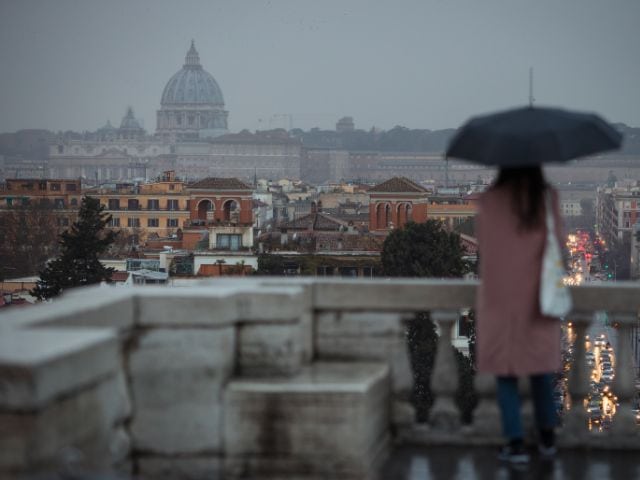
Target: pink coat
512, 336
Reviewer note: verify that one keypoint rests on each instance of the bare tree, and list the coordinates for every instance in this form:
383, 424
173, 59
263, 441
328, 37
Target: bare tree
28, 238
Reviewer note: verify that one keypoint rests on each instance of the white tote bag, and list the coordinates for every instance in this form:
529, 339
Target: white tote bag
555, 298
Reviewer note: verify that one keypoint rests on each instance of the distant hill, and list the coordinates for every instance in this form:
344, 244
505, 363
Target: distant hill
29, 144
398, 139
32, 144
403, 139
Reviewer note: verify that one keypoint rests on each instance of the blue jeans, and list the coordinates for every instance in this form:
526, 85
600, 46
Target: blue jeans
509, 402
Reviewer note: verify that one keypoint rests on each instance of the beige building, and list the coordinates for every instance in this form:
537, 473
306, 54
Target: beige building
159, 208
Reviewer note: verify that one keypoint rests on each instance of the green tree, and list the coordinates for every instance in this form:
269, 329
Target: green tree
270, 265
428, 250
423, 250
80, 247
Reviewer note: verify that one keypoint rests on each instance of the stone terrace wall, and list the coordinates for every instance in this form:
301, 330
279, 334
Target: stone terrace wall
204, 382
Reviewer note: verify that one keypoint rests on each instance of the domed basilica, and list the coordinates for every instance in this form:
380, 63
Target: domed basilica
192, 106
191, 139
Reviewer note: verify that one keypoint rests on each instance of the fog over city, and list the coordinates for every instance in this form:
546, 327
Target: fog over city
282, 63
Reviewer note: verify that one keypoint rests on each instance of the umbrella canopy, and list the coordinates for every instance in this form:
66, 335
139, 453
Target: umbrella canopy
531, 136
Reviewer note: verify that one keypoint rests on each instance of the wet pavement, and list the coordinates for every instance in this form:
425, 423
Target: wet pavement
480, 463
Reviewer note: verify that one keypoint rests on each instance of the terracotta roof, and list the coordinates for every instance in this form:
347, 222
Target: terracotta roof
220, 184
119, 276
398, 184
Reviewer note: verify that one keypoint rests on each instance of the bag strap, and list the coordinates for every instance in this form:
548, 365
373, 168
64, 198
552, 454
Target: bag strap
548, 213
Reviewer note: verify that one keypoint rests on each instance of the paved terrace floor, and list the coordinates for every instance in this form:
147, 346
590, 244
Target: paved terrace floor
473, 463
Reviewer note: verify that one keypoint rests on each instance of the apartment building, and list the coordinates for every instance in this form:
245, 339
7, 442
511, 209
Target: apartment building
62, 195
157, 208
617, 211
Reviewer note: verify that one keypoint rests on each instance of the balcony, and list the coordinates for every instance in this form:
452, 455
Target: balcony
215, 223
274, 378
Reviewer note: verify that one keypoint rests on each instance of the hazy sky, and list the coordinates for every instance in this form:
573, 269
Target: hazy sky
424, 64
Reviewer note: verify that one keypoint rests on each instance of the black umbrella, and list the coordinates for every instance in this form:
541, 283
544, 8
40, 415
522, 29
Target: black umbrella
531, 136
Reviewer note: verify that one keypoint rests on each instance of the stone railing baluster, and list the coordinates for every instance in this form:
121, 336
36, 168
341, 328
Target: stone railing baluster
624, 381
486, 416
575, 423
444, 415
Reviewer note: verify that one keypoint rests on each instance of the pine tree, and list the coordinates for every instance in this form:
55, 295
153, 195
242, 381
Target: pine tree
80, 247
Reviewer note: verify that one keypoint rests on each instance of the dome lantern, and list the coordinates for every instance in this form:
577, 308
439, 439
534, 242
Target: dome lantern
192, 59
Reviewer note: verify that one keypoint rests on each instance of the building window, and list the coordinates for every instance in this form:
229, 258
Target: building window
324, 271
172, 186
172, 222
114, 204
56, 187
63, 222
132, 204
153, 222
153, 204
114, 222
41, 186
133, 222
172, 205
58, 203
228, 241
71, 187
74, 202
464, 326
348, 271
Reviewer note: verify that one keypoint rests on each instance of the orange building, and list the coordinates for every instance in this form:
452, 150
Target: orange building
215, 200
399, 200
396, 202
61, 194
221, 211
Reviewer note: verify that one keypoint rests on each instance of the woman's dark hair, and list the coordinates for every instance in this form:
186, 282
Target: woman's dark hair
527, 186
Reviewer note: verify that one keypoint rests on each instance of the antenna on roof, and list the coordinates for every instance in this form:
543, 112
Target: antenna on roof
531, 99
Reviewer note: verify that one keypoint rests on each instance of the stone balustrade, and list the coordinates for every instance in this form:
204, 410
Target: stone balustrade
257, 378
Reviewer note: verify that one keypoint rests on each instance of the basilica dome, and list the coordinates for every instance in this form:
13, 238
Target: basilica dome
191, 107
192, 84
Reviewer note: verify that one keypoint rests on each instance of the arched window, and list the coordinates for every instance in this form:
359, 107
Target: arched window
231, 211
383, 215
404, 214
206, 210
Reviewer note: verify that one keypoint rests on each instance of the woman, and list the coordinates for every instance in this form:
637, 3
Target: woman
513, 338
